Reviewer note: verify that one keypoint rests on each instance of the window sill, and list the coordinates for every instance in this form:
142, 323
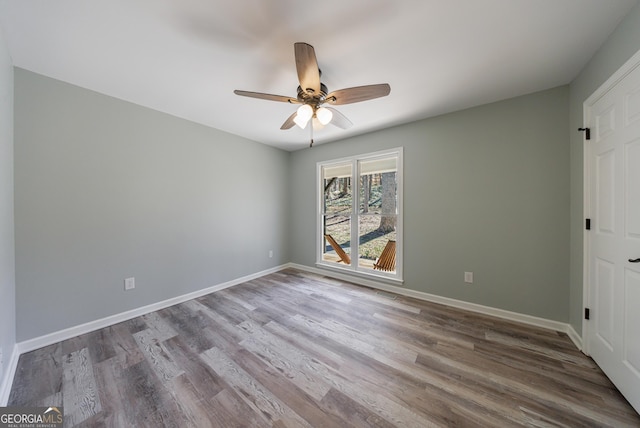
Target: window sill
360, 274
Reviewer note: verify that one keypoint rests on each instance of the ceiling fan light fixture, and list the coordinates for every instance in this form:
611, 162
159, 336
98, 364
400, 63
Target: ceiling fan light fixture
301, 123
317, 125
305, 112
324, 115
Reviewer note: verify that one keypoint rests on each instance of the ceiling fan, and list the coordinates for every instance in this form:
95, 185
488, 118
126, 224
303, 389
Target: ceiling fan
313, 94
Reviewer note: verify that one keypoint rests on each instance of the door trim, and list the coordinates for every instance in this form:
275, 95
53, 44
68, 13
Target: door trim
629, 66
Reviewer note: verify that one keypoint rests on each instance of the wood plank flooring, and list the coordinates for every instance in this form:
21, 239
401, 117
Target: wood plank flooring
293, 349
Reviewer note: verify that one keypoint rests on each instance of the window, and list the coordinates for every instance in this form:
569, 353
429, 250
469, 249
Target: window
361, 202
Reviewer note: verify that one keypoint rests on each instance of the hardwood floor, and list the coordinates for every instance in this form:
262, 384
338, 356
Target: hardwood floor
293, 349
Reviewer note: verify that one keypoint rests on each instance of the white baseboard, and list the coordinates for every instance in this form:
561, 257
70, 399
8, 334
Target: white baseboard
9, 374
575, 337
58, 336
473, 307
49, 339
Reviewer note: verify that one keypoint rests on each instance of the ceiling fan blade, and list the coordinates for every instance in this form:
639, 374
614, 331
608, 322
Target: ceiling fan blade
269, 97
288, 124
358, 93
339, 119
307, 67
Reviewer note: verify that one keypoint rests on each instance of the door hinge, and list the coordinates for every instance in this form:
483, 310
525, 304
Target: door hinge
587, 224
586, 313
587, 133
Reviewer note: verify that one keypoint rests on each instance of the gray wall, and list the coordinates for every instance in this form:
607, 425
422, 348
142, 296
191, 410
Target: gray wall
105, 190
486, 190
7, 255
621, 45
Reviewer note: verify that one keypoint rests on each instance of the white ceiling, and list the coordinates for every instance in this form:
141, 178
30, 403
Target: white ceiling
185, 57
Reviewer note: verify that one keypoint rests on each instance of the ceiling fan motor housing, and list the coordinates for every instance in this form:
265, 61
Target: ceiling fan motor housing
309, 96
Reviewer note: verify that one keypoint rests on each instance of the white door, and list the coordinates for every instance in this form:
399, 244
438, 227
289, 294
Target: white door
613, 243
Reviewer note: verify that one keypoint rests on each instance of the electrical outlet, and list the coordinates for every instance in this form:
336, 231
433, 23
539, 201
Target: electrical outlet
468, 277
270, 253
129, 283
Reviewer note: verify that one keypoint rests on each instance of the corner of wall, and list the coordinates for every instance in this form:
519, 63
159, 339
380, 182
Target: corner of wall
7, 229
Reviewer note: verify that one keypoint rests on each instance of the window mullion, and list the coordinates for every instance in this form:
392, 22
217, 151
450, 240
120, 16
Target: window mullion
355, 186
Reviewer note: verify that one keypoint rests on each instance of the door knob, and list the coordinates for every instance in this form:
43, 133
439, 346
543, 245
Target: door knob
634, 260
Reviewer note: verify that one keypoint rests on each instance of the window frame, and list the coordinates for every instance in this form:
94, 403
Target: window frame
354, 268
